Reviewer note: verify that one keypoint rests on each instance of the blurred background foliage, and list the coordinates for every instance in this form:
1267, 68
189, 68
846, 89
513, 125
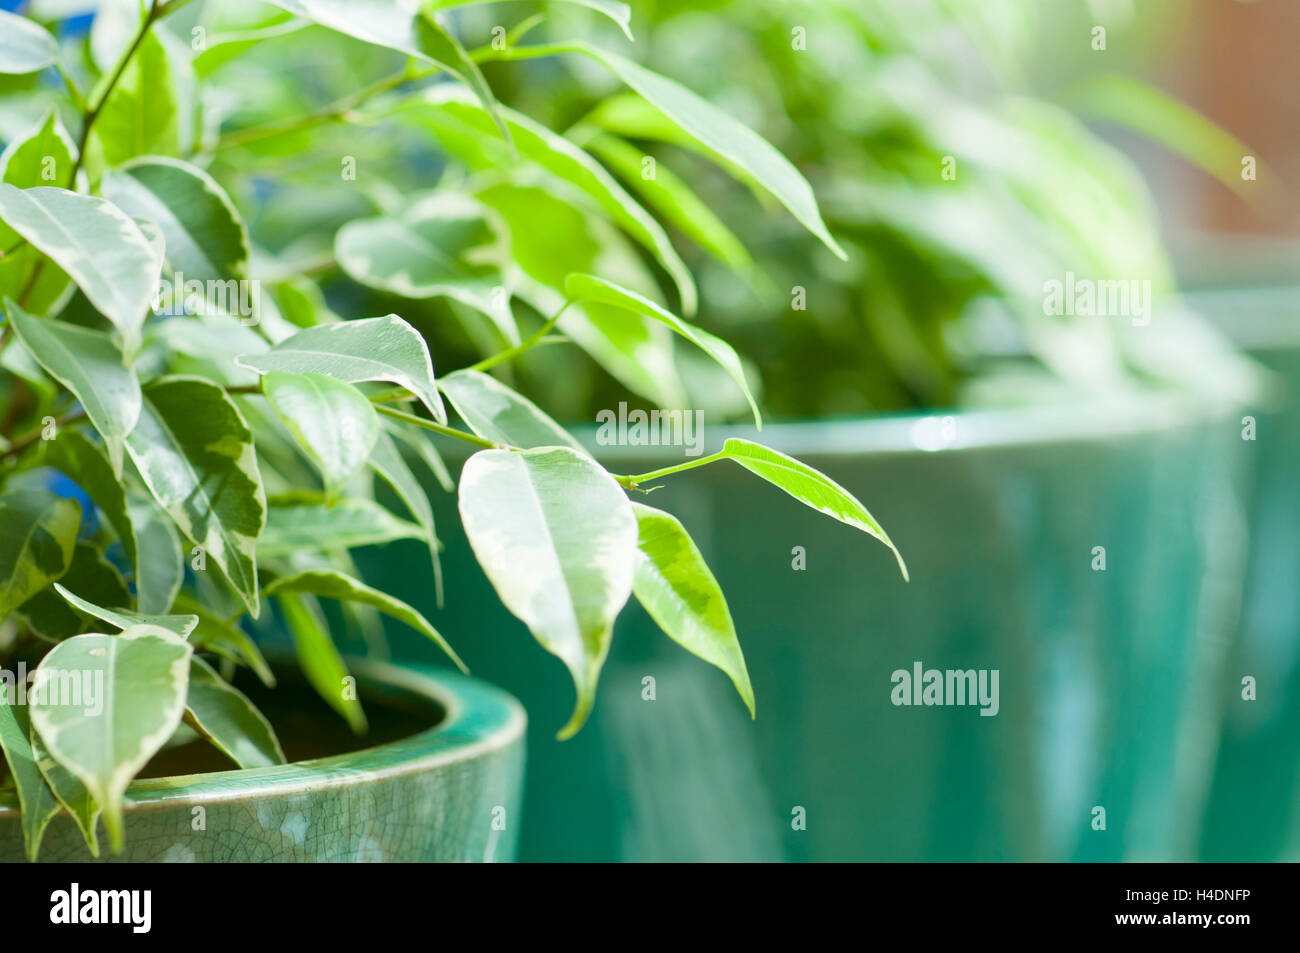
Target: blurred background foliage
941, 300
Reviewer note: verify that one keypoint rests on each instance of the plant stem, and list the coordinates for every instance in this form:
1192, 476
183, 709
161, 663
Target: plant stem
487, 55
90, 114
439, 428
634, 482
331, 113
513, 352
22, 443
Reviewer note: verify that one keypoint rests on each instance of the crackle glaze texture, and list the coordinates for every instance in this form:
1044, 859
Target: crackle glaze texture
451, 793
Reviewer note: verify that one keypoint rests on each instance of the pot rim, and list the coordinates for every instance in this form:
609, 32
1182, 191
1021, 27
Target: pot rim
478, 719
1072, 420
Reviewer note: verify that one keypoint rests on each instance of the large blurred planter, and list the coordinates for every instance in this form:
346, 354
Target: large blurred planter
1107, 678
1253, 812
450, 792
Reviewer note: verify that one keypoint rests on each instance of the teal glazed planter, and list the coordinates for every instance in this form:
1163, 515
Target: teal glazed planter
449, 793
1253, 812
1107, 679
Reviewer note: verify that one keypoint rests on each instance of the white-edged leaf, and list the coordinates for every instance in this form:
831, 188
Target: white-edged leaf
371, 349
204, 236
433, 247
497, 413
90, 365
345, 524
180, 625
38, 534
336, 585
331, 420
680, 593
592, 288
224, 716
99, 246
137, 681
556, 537
195, 454
36, 801
70, 792
25, 47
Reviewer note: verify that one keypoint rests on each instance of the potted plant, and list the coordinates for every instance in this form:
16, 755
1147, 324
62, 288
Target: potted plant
1080, 471
193, 441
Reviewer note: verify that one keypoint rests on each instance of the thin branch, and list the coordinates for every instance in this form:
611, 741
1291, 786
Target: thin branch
439, 428
334, 112
534, 339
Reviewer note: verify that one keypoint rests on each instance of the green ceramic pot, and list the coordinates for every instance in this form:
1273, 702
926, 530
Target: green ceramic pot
1253, 812
448, 793
1107, 678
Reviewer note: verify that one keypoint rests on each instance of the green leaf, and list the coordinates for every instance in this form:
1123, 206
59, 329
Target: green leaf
181, 625
495, 412
591, 288
464, 129
143, 113
38, 532
25, 47
402, 27
88, 466
331, 420
809, 487
100, 247
43, 156
90, 365
70, 792
205, 238
52, 618
337, 585
320, 660
557, 539
551, 239
137, 680
346, 524
430, 248
391, 466
160, 566
224, 716
674, 200
723, 135
36, 801
420, 441
221, 637
195, 454
679, 592
620, 13
372, 349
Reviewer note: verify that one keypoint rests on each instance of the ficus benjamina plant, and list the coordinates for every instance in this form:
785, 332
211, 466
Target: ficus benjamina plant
191, 435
